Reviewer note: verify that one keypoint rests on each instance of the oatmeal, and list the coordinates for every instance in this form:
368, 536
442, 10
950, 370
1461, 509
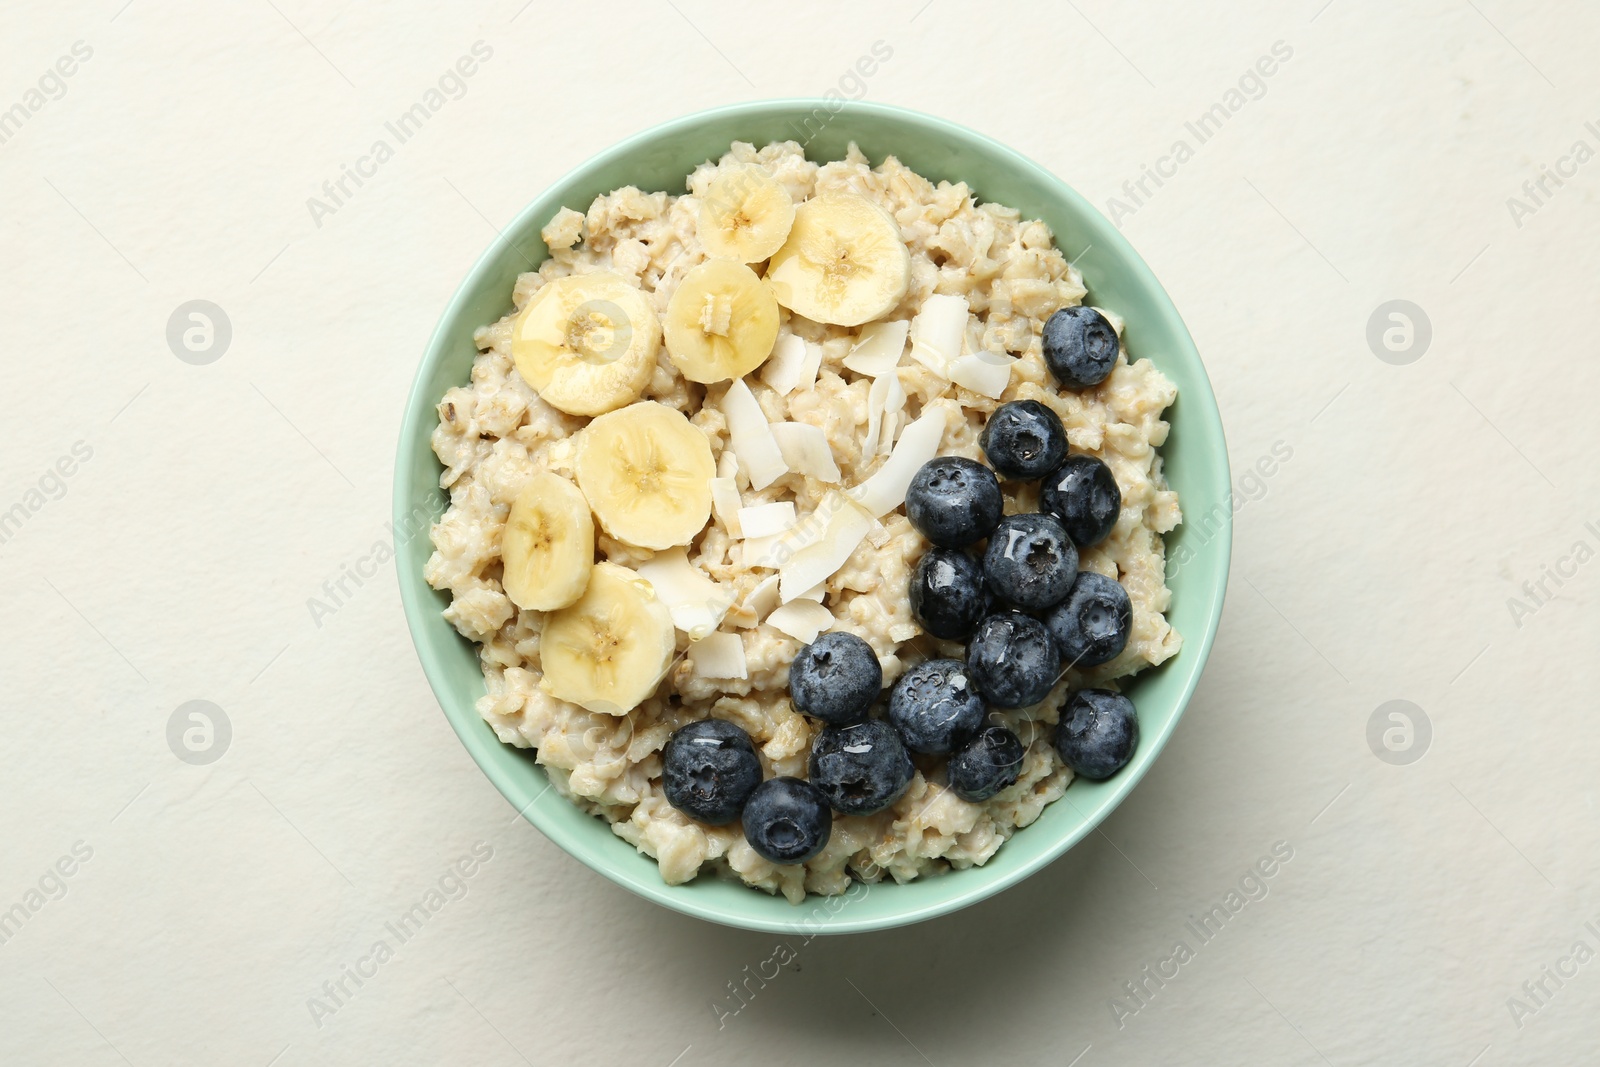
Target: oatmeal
743, 423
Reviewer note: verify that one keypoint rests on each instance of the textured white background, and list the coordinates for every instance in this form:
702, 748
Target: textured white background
218, 498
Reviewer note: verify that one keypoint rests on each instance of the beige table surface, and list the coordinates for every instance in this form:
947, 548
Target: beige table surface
1384, 159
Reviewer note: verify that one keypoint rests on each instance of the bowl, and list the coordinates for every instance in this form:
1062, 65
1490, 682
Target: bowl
1196, 465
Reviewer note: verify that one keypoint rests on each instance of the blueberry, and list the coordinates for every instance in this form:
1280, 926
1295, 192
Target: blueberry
861, 768
1012, 659
709, 769
986, 764
1083, 494
1097, 733
1031, 562
954, 501
1091, 626
1024, 439
947, 593
1080, 347
935, 706
835, 678
787, 820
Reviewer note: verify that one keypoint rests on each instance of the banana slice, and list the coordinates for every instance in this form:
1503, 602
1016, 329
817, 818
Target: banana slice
745, 215
646, 471
548, 546
721, 322
608, 651
587, 343
844, 263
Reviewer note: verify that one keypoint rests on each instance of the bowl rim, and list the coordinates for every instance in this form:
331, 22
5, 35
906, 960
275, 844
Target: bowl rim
480, 742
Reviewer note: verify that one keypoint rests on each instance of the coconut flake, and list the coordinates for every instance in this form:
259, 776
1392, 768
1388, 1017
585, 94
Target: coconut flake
891, 424
725, 501
793, 364
697, 603
937, 332
775, 550
809, 369
765, 519
825, 541
782, 369
879, 348
759, 551
875, 397
884, 400
751, 436
805, 449
885, 397
986, 373
886, 489
801, 619
818, 592
719, 655
757, 604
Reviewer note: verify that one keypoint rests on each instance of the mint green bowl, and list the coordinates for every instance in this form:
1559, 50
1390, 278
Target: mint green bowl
1196, 464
